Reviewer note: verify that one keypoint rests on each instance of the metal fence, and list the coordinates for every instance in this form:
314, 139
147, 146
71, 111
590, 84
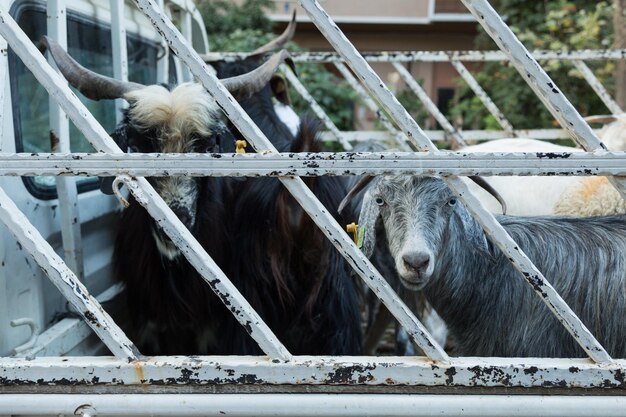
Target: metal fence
252, 385
457, 59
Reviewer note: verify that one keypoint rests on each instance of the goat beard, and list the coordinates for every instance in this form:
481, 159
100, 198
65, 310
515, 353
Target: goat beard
165, 245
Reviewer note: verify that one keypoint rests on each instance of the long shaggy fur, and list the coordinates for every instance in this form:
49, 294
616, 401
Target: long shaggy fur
590, 196
256, 233
488, 306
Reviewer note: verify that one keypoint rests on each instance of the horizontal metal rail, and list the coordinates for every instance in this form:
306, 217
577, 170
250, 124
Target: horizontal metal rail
387, 371
143, 192
303, 195
498, 235
323, 163
436, 56
313, 405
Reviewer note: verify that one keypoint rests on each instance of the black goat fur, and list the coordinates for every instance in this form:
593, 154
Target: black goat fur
270, 249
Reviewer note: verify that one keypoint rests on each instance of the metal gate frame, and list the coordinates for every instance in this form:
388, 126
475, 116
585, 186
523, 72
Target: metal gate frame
456, 59
129, 376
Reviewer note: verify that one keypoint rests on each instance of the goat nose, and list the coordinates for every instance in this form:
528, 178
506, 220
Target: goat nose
416, 261
183, 214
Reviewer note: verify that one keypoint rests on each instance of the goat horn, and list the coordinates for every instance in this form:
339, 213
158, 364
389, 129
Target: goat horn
362, 183
281, 40
243, 86
92, 85
485, 186
601, 118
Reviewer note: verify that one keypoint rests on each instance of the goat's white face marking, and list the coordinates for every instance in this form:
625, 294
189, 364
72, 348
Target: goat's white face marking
165, 246
178, 119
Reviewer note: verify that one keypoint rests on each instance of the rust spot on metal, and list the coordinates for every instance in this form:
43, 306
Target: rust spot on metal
139, 372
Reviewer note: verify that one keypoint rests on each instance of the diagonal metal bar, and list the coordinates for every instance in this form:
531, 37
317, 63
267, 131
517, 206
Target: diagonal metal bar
539, 81
482, 95
65, 280
598, 87
177, 232
319, 111
497, 233
429, 104
400, 139
328, 225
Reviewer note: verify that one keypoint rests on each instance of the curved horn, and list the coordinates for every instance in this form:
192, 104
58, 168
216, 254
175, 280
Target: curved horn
243, 86
89, 83
485, 186
362, 183
601, 118
279, 41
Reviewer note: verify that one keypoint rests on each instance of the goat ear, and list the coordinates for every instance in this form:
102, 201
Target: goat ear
473, 232
368, 217
280, 89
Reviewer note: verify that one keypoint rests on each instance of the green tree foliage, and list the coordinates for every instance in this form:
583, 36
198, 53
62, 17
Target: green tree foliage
244, 28
549, 25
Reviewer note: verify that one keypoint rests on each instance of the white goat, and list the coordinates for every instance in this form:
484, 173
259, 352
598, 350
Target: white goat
572, 196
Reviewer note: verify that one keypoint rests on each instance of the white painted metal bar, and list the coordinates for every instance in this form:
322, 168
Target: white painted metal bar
496, 232
482, 95
59, 124
330, 371
439, 56
329, 226
65, 280
440, 135
145, 193
431, 107
598, 87
63, 336
308, 164
317, 109
120, 51
538, 80
399, 138
4, 70
315, 405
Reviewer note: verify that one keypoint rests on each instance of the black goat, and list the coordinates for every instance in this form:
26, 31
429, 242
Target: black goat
252, 228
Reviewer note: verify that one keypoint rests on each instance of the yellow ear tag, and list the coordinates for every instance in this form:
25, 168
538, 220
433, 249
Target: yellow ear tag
358, 232
240, 146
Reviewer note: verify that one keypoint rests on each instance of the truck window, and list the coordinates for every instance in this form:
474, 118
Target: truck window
89, 42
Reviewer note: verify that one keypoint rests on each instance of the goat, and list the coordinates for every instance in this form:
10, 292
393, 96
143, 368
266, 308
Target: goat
307, 298
440, 249
560, 195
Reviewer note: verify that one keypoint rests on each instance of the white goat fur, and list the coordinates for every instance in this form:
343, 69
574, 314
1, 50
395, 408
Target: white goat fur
569, 196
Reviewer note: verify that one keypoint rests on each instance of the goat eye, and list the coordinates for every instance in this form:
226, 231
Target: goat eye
379, 201
452, 202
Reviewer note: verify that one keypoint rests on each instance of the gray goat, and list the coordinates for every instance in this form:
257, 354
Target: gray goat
439, 248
